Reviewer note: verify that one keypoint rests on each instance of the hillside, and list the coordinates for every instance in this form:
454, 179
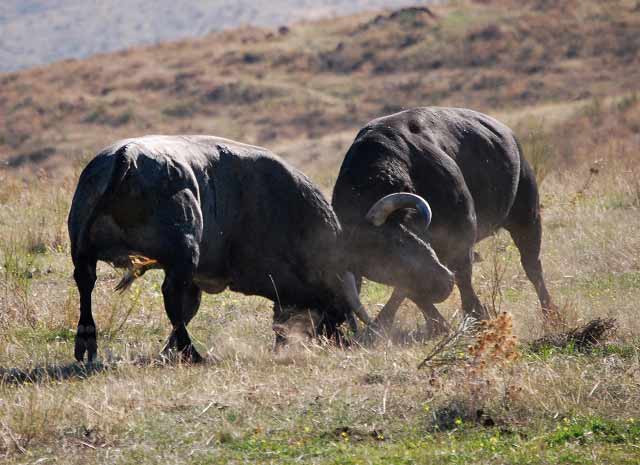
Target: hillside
304, 91
77, 29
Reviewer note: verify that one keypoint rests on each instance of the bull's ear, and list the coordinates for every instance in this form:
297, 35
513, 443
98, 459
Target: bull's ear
280, 329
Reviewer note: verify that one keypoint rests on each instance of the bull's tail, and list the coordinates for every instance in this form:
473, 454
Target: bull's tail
137, 265
83, 213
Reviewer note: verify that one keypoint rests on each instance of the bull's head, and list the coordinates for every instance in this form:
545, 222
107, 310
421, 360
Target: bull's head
295, 327
394, 255
389, 253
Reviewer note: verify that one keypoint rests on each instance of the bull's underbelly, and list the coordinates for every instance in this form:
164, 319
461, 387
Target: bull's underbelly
493, 198
492, 209
210, 284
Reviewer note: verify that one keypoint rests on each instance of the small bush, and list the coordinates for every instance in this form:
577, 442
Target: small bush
180, 110
538, 148
103, 115
595, 111
627, 102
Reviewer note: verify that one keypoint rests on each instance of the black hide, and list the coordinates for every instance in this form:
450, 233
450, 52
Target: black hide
470, 169
214, 214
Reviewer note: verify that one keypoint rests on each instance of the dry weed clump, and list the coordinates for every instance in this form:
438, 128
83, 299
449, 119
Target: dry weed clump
495, 345
582, 338
476, 345
494, 349
482, 353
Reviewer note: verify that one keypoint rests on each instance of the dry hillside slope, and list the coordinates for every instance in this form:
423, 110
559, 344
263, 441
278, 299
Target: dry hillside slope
305, 91
77, 29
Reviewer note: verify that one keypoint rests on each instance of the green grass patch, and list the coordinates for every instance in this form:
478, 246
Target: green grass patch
599, 441
606, 283
625, 351
43, 334
595, 430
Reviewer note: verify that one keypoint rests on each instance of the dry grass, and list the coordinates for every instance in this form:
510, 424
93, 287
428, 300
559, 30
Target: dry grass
319, 404
317, 398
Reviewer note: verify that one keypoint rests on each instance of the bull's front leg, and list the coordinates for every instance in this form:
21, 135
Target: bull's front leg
436, 325
387, 315
85, 276
383, 323
471, 305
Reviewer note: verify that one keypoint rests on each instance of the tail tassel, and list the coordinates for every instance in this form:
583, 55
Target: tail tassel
137, 265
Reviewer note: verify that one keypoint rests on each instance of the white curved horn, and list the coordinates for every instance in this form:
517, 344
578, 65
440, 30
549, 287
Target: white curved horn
384, 207
353, 299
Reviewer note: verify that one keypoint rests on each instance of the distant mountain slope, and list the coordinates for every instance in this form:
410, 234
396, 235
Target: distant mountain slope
34, 32
305, 91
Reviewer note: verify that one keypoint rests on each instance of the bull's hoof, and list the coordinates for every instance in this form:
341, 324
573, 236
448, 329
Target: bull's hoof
552, 319
86, 343
479, 312
187, 355
190, 355
369, 335
432, 331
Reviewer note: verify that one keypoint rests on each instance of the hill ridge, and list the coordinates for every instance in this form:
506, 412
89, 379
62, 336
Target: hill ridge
304, 91
78, 29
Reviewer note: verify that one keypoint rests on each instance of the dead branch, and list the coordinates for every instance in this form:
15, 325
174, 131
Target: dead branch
583, 337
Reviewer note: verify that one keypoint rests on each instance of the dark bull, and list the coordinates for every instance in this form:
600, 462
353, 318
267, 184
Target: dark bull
470, 169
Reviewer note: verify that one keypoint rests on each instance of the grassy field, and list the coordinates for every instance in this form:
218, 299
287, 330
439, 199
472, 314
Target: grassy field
580, 128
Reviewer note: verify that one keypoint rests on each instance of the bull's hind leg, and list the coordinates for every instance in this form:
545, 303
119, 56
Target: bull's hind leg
181, 301
190, 303
527, 239
180, 293
85, 276
177, 247
525, 227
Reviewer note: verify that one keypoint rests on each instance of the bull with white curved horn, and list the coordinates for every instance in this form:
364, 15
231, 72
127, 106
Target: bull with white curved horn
471, 170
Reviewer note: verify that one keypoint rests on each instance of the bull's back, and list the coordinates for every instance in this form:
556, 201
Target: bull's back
283, 229
484, 150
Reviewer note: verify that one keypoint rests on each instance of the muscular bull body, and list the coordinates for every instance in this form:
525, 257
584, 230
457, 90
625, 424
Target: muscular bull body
214, 214
470, 169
